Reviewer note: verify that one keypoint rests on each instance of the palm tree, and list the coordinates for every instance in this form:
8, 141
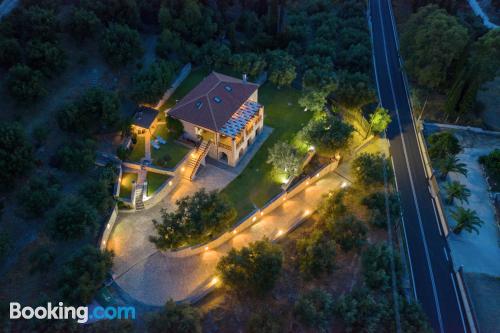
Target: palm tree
466, 219
450, 164
456, 190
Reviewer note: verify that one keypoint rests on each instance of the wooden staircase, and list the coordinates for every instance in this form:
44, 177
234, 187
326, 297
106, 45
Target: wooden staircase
195, 160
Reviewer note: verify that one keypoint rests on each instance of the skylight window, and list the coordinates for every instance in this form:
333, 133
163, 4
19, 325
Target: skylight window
199, 104
217, 99
228, 88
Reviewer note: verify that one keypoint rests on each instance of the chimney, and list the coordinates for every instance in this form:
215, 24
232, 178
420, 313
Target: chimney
244, 78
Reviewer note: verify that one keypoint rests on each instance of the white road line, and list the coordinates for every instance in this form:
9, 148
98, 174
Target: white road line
445, 254
436, 300
458, 301
435, 213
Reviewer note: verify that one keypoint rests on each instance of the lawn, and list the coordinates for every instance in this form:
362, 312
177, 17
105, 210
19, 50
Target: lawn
256, 185
155, 180
138, 150
126, 184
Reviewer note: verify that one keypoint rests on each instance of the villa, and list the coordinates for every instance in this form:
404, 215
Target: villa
223, 116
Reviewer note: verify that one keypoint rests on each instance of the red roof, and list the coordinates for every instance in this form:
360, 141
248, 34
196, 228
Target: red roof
213, 101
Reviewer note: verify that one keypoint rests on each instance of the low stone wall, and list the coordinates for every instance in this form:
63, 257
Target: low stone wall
108, 228
251, 219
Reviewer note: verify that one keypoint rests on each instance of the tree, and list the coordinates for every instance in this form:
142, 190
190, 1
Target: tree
114, 11
264, 322
10, 52
375, 202
485, 56
173, 317
168, 42
47, 57
5, 244
84, 274
285, 159
328, 134
213, 54
354, 89
376, 263
253, 269
198, 218
413, 319
491, 163
42, 259
249, 63
432, 26
24, 84
313, 100
466, 219
333, 206
281, 68
443, 144
150, 84
78, 156
450, 164
348, 232
369, 169
35, 22
361, 311
96, 110
379, 120
316, 254
98, 194
39, 194
72, 219
16, 154
83, 23
315, 309
456, 190
120, 45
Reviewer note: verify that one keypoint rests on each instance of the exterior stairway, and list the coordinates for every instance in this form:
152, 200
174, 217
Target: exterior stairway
195, 160
139, 190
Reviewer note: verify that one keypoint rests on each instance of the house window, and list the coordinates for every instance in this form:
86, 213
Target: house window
217, 99
228, 88
199, 104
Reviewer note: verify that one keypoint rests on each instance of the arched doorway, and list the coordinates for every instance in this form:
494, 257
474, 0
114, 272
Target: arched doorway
223, 157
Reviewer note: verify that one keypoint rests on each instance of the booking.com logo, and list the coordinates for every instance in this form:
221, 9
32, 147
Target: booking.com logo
80, 314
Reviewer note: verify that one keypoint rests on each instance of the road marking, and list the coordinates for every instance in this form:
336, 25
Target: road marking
458, 301
435, 213
445, 254
431, 273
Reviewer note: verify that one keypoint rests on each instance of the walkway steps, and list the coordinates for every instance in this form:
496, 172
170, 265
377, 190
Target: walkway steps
139, 190
196, 159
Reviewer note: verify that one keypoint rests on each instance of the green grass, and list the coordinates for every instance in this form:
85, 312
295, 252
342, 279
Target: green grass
138, 151
155, 180
126, 184
175, 152
256, 185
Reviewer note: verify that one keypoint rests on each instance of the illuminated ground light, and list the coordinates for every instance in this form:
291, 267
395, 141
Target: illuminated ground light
344, 184
234, 232
183, 169
170, 183
307, 212
254, 219
280, 232
206, 248
214, 280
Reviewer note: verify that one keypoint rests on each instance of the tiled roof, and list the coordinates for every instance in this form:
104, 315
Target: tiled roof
213, 101
144, 117
240, 118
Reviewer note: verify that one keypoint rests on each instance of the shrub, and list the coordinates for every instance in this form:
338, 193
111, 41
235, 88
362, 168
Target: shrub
265, 322
375, 202
253, 269
315, 309
175, 128
442, 145
376, 263
491, 163
285, 159
98, 193
198, 218
328, 135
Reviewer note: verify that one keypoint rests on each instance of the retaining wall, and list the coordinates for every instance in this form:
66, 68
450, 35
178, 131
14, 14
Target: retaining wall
252, 218
108, 228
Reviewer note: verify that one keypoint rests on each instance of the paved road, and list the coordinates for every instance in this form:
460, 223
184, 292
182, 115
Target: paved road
431, 267
6, 6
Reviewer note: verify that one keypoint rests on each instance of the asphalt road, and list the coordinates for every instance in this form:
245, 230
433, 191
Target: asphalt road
433, 280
